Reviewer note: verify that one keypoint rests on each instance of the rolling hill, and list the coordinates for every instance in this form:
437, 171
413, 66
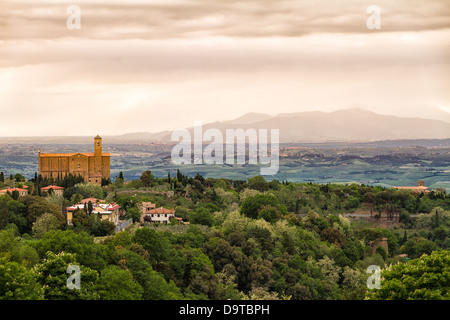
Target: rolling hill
316, 126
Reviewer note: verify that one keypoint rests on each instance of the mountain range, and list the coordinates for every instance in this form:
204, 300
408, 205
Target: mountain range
350, 125
353, 125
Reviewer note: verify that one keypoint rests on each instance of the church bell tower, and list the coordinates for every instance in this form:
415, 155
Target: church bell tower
98, 155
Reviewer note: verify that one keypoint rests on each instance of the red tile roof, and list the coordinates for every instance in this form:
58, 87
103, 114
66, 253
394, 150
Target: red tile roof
92, 200
12, 189
161, 210
52, 187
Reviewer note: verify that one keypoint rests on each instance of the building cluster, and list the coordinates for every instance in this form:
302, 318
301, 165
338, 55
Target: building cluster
94, 167
106, 211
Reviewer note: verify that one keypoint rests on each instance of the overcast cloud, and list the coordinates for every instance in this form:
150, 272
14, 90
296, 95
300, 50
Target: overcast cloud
157, 65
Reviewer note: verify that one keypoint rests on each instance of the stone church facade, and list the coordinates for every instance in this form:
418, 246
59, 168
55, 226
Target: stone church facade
93, 167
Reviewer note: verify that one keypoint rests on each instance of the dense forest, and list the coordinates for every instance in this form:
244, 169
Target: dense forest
253, 239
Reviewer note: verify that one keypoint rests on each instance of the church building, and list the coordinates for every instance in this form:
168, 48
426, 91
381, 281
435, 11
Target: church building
93, 167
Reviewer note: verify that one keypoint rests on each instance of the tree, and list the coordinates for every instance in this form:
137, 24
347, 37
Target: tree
147, 178
261, 293
416, 246
252, 204
14, 250
18, 283
330, 270
118, 284
53, 277
19, 178
15, 194
17, 214
37, 206
199, 177
152, 241
334, 236
45, 223
133, 213
201, 216
90, 207
382, 252
81, 244
122, 238
154, 286
258, 183
269, 213
4, 212
76, 198
353, 284
105, 181
425, 278
99, 227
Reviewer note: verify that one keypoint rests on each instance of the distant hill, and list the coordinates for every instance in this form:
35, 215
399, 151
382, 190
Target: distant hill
344, 125
348, 126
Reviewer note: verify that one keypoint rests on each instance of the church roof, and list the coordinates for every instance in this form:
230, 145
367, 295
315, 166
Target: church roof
97, 137
418, 188
87, 154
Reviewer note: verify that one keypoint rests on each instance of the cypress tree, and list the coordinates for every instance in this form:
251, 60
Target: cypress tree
4, 214
90, 207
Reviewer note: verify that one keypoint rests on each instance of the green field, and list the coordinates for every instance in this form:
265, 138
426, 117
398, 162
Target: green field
378, 164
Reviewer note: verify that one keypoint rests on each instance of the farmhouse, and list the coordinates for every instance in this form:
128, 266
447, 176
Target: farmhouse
154, 215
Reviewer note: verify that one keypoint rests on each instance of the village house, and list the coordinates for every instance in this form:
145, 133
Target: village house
157, 215
107, 211
56, 190
22, 192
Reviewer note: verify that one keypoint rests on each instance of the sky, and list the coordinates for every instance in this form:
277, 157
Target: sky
148, 66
